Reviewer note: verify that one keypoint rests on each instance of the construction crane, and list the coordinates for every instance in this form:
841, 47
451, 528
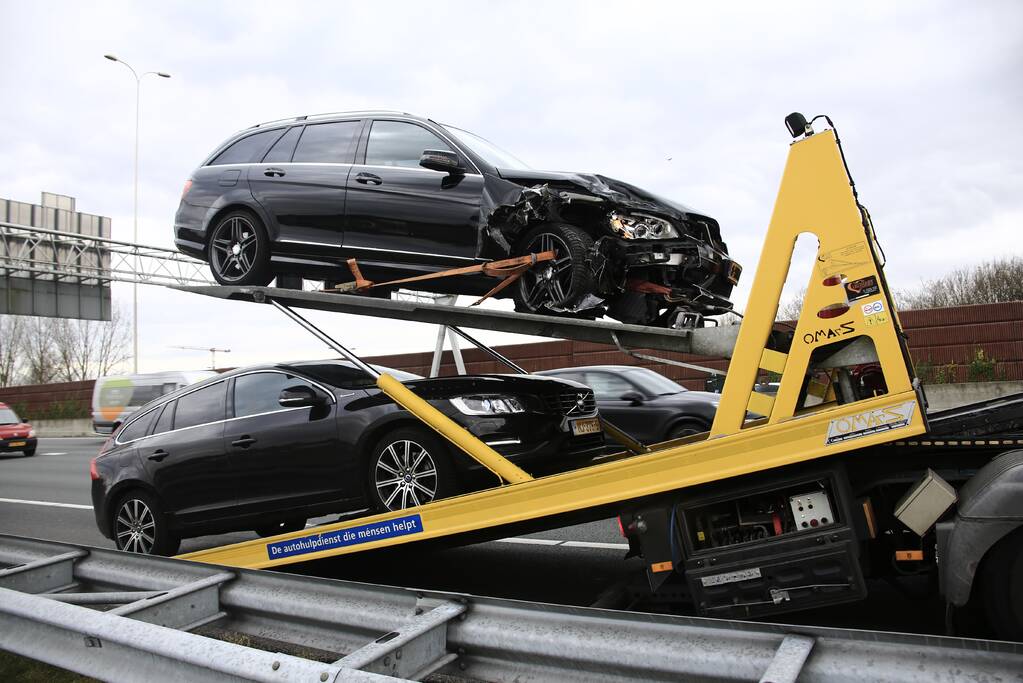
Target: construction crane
213, 353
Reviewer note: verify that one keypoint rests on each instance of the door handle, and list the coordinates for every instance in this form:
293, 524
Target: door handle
278, 172
368, 179
158, 455
243, 442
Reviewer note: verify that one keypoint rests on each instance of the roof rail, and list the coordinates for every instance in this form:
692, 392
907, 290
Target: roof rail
326, 114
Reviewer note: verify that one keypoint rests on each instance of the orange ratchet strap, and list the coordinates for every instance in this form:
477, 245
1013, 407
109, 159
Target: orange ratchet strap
509, 270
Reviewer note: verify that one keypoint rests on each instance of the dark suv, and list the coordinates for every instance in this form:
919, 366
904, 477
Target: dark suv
408, 196
267, 447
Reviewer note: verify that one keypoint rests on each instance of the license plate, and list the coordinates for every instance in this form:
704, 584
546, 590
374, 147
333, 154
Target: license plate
589, 425
15, 444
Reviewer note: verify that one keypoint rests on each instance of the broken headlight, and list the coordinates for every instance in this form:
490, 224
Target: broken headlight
640, 226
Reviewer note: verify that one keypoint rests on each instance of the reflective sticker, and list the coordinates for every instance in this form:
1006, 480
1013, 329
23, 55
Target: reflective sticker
661, 566
874, 313
731, 577
366, 533
870, 422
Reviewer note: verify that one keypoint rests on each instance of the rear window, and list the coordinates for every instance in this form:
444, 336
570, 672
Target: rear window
327, 143
165, 423
137, 428
247, 150
283, 149
200, 407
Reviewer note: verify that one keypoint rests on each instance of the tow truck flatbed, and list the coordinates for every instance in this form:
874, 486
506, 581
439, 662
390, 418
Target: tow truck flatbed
816, 195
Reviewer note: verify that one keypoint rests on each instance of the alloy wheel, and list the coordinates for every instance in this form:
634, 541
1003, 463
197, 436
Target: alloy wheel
135, 527
233, 248
405, 475
549, 283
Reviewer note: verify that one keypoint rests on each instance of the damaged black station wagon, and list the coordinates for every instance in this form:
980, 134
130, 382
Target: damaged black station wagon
407, 196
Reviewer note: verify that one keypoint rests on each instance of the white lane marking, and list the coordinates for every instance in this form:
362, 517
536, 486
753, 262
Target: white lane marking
53, 454
595, 544
531, 541
46, 503
569, 544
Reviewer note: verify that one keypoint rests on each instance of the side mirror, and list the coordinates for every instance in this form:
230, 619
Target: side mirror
633, 397
441, 160
300, 397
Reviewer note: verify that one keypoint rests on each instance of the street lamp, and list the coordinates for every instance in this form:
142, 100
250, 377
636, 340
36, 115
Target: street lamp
135, 207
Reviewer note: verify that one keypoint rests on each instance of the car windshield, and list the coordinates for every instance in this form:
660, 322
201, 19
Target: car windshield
490, 152
8, 417
341, 373
653, 383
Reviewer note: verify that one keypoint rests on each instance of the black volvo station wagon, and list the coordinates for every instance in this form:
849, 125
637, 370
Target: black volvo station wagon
408, 196
266, 448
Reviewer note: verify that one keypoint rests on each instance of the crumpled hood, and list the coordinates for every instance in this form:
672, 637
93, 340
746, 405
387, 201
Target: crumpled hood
619, 192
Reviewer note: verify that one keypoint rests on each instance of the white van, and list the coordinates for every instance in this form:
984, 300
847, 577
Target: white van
117, 396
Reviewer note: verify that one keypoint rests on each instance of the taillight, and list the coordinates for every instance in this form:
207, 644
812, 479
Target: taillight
188, 186
621, 529
93, 474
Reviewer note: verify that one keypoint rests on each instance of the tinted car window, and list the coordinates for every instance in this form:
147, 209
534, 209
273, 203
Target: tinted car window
347, 376
606, 385
136, 429
166, 420
247, 149
328, 142
283, 149
259, 392
199, 407
395, 143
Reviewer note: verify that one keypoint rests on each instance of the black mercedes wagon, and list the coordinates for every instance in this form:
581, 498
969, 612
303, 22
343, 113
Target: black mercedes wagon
407, 196
265, 448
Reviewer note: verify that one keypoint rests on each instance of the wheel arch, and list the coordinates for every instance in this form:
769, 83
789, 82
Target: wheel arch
990, 508
238, 204
686, 418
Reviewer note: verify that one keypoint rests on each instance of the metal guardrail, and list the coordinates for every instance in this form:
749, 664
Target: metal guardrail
310, 629
27, 251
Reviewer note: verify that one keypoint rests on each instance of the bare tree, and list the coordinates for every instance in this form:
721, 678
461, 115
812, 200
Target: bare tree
994, 281
86, 349
37, 351
790, 309
11, 332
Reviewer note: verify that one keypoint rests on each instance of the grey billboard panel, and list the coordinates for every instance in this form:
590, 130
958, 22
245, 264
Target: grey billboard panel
49, 299
50, 275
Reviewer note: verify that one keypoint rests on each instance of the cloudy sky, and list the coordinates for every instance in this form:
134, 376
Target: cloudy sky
684, 100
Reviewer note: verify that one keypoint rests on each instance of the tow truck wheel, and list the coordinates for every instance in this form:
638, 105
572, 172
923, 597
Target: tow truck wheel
409, 467
284, 527
560, 284
239, 251
1002, 586
140, 526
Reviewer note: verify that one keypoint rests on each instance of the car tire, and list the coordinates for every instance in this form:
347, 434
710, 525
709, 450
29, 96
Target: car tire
285, 527
238, 250
685, 428
135, 513
408, 467
29, 452
1001, 584
560, 285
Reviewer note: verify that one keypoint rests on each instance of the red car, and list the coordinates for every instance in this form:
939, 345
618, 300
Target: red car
15, 435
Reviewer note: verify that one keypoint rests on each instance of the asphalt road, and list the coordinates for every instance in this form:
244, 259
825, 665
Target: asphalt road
47, 497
